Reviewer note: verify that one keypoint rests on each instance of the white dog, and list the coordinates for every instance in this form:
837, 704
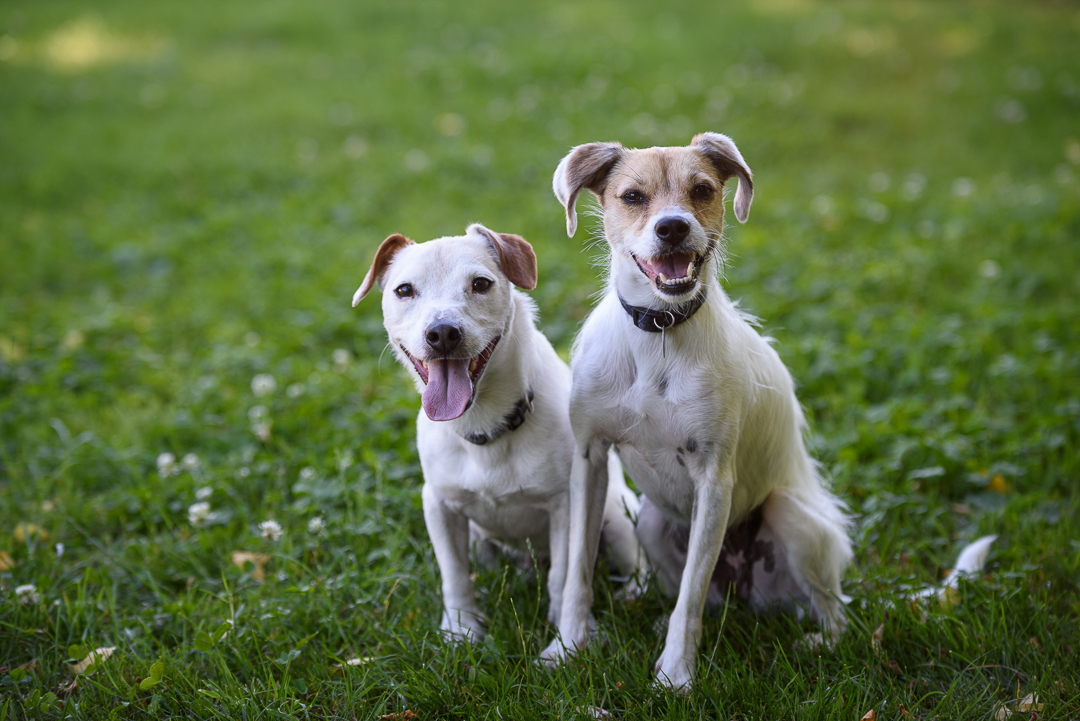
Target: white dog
494, 430
699, 407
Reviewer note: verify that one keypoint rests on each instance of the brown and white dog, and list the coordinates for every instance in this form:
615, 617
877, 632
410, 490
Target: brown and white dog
699, 407
493, 433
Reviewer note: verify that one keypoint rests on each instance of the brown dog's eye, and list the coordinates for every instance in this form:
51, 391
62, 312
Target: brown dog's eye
702, 191
404, 291
633, 197
481, 285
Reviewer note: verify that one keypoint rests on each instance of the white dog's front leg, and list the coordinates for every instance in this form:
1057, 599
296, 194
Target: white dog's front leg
559, 533
708, 522
588, 490
449, 533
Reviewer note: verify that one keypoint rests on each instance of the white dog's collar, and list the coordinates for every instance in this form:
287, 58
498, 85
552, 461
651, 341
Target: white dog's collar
651, 320
513, 420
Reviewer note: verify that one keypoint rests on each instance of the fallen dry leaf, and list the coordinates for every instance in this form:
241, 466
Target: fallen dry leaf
869, 716
997, 484
239, 558
68, 688
6, 561
406, 715
1002, 713
26, 530
95, 657
1029, 703
876, 638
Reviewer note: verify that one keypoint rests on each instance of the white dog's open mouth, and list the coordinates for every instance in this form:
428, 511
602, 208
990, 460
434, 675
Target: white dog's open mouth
450, 383
675, 273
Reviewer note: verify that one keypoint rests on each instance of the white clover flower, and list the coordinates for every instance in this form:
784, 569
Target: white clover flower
261, 431
190, 462
244, 472
295, 390
341, 359
198, 513
307, 473
316, 526
263, 385
270, 530
166, 465
59, 550
203, 493
27, 595
345, 461
257, 413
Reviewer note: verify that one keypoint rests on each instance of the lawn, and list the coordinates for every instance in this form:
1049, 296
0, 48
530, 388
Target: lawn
191, 192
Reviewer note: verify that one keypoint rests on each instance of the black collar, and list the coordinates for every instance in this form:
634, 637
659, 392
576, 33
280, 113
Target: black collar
655, 321
510, 423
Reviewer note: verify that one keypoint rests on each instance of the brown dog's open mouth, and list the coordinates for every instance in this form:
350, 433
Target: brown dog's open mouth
450, 383
674, 273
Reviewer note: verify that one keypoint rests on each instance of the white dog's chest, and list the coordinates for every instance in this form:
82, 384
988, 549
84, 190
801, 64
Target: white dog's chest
509, 500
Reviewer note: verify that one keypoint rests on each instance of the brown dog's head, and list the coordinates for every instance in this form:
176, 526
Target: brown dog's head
663, 207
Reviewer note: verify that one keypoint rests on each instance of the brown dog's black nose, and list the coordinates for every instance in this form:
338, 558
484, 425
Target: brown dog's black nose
672, 230
443, 338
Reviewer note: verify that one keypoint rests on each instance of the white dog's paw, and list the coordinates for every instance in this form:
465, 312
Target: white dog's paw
817, 642
554, 614
631, 590
555, 654
675, 673
462, 626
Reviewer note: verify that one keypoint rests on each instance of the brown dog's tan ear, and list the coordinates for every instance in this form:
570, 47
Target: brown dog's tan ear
728, 161
386, 252
586, 166
516, 255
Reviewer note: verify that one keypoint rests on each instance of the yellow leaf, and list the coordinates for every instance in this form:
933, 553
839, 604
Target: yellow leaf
997, 484
949, 595
26, 530
1029, 703
239, 558
6, 561
877, 637
95, 657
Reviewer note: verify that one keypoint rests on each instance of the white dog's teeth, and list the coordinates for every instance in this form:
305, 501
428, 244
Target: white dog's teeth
472, 366
663, 278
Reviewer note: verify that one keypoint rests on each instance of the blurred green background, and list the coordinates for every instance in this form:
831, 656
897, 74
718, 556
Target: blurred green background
190, 193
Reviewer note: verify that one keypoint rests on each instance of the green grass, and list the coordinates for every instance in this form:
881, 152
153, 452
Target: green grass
178, 213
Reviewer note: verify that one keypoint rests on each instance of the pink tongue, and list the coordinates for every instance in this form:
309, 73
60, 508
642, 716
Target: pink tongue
448, 390
673, 266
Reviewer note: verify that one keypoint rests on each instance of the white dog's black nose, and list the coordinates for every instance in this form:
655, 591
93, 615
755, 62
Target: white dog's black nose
672, 230
443, 338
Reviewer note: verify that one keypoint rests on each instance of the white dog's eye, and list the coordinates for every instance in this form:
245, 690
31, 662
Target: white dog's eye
481, 285
405, 290
702, 191
633, 197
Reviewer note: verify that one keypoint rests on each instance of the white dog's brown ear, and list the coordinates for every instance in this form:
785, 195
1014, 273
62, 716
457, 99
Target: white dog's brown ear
586, 166
728, 161
516, 255
386, 252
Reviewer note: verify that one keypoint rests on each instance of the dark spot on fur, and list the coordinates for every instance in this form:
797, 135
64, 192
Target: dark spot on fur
662, 385
691, 445
679, 450
681, 461
586, 454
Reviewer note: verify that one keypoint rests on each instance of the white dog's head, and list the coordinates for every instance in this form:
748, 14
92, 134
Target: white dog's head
663, 207
446, 305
